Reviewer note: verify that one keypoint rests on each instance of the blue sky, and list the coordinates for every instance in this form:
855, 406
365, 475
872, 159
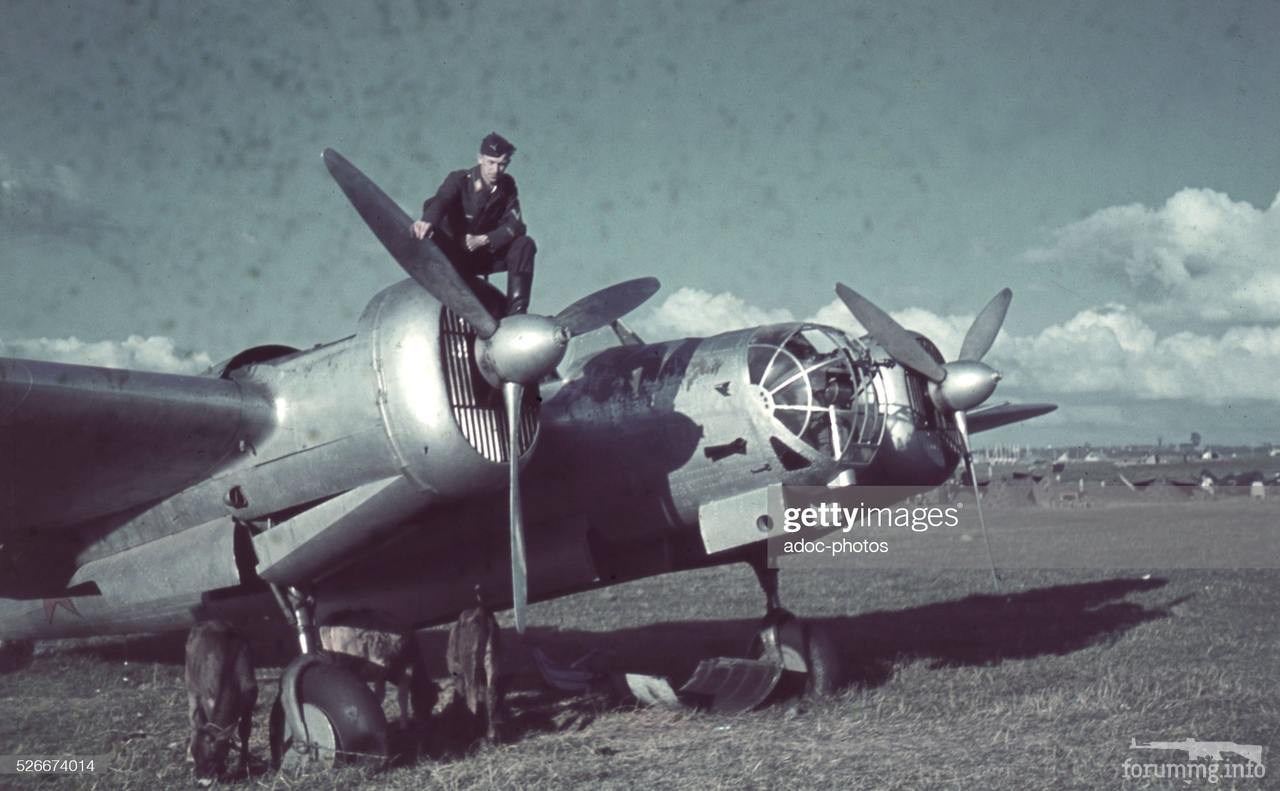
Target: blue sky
1115, 164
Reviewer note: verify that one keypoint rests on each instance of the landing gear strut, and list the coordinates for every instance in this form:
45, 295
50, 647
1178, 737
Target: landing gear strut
324, 714
798, 646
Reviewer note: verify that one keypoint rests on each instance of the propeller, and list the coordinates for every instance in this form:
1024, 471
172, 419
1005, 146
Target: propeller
513, 395
982, 332
421, 259
955, 386
962, 425
900, 344
606, 305
512, 352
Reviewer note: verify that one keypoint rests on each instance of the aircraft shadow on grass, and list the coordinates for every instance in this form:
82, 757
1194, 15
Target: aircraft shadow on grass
977, 630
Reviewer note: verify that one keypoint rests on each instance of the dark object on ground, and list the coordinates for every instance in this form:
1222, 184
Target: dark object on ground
473, 657
221, 693
378, 656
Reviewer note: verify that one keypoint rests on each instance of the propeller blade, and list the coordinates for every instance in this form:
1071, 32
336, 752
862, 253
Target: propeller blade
421, 259
962, 424
513, 395
982, 333
900, 344
606, 305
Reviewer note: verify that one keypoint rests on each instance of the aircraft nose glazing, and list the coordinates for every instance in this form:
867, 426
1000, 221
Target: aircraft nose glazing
808, 378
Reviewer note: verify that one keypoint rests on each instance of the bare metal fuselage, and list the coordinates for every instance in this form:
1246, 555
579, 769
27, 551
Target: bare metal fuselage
372, 470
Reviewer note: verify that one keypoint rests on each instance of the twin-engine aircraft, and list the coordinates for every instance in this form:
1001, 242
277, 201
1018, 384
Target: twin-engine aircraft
364, 478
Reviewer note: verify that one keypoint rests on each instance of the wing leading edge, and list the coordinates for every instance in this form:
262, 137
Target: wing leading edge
80, 441
1003, 414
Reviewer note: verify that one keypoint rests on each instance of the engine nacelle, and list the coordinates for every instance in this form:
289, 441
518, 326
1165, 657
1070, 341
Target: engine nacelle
402, 397
921, 445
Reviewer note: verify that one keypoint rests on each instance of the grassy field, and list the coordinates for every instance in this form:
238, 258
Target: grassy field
951, 686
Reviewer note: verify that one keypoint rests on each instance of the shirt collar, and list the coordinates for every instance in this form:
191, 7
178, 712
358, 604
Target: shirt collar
473, 176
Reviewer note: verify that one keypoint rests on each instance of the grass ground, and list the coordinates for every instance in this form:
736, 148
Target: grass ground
951, 687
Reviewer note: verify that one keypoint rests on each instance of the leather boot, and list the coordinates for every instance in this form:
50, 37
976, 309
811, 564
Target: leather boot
518, 286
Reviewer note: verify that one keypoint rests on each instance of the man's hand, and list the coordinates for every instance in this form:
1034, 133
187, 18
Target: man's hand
420, 229
476, 242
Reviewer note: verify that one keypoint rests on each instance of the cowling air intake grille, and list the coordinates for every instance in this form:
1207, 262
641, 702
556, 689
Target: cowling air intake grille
477, 405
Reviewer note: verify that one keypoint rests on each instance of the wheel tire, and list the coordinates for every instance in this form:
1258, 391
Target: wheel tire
825, 673
16, 655
791, 639
341, 715
823, 658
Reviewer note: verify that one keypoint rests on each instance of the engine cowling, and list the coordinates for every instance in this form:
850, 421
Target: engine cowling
400, 397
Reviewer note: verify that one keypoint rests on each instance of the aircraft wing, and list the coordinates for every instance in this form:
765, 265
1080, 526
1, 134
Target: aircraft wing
991, 417
79, 441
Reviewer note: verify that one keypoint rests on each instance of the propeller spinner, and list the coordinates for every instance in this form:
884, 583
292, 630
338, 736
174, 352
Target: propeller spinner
512, 352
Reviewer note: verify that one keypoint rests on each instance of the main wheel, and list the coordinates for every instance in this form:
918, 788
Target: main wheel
343, 721
809, 657
823, 658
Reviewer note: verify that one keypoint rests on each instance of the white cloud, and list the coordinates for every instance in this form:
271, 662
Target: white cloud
835, 314
695, 313
947, 332
1197, 337
1110, 350
135, 352
1199, 256
1199, 276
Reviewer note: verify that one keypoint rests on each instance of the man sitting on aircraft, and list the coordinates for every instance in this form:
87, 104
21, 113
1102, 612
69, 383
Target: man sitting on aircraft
475, 219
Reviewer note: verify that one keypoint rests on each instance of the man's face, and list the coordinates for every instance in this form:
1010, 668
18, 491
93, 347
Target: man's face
491, 167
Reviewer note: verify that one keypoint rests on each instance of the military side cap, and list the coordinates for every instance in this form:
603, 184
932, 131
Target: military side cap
495, 145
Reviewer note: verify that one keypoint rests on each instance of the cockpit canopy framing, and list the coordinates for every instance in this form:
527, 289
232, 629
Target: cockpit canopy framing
821, 387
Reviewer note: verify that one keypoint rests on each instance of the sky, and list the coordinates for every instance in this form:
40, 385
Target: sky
163, 203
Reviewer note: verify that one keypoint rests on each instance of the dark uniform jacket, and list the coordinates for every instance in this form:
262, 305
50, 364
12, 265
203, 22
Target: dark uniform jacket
458, 209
